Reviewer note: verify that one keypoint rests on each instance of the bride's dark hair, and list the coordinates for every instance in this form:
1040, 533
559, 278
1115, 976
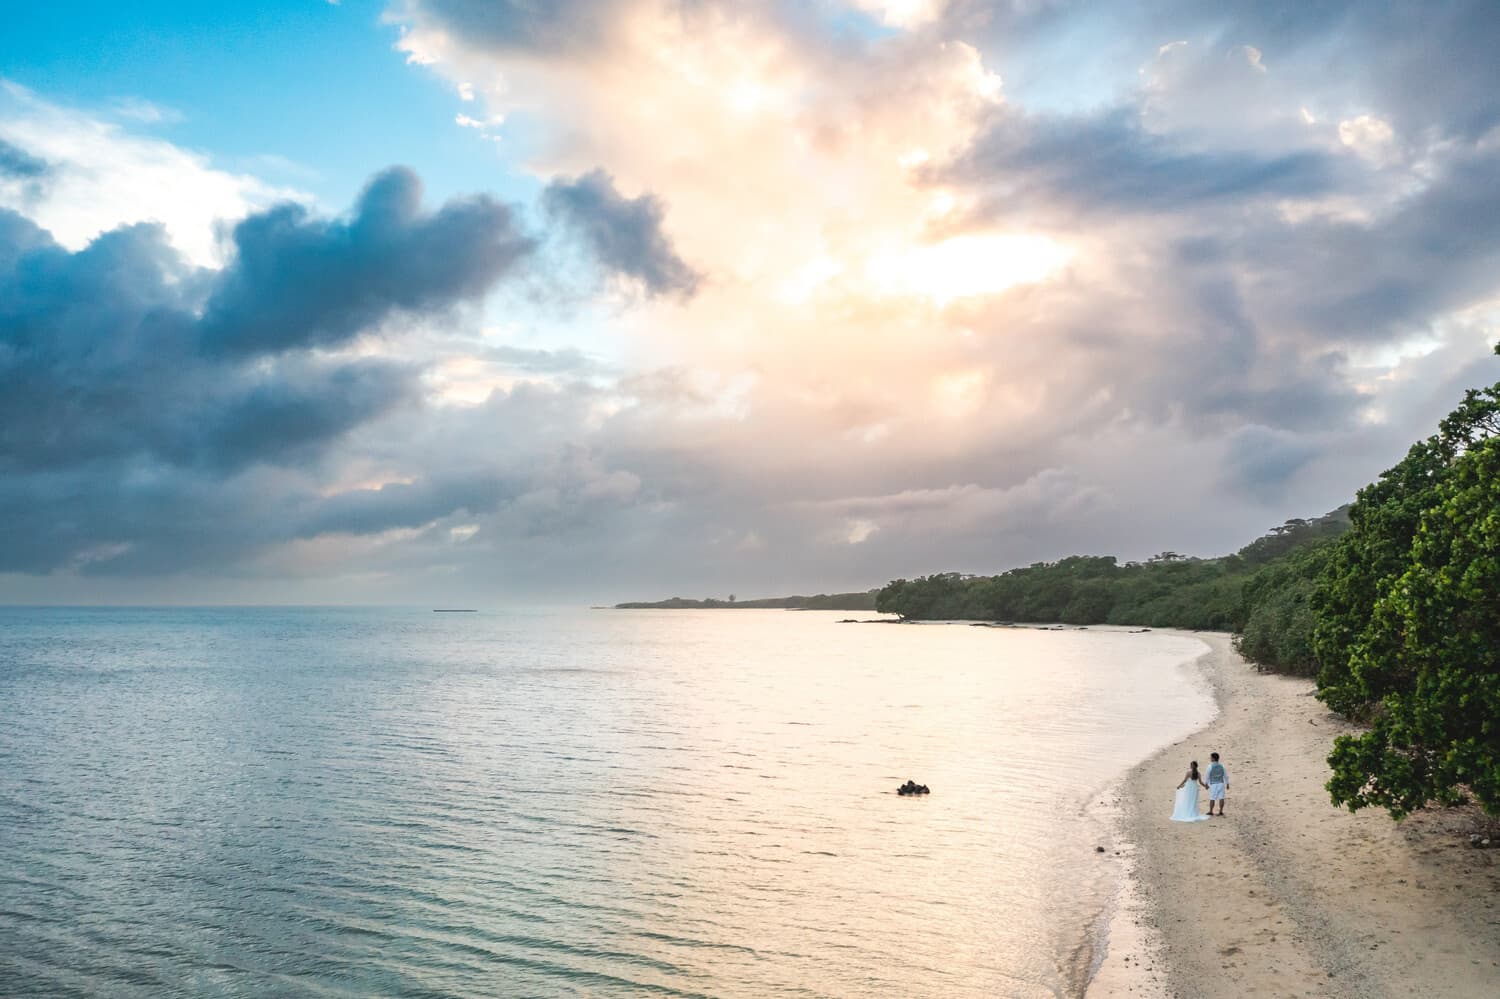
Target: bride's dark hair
1193, 770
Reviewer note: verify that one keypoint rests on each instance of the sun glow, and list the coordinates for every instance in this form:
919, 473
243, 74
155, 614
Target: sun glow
902, 13
967, 266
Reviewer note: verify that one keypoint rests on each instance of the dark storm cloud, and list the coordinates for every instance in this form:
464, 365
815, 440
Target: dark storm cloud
1436, 250
1217, 364
99, 359
1261, 461
404, 505
287, 413
625, 234
133, 516
1108, 161
299, 281
154, 414
17, 163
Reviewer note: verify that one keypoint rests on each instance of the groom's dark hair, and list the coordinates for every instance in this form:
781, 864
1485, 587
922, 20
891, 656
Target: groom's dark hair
1214, 757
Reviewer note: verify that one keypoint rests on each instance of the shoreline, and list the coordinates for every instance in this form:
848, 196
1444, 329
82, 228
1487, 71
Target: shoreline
1289, 895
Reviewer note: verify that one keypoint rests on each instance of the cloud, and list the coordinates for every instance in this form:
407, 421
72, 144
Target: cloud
144, 111
403, 505
1261, 460
625, 234
958, 509
523, 25
102, 176
1369, 136
17, 163
299, 281
100, 360
1109, 161
126, 372
897, 317
568, 360
1384, 49
1387, 273
1200, 345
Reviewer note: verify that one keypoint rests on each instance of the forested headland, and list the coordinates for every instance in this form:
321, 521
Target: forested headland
1392, 603
863, 600
1260, 592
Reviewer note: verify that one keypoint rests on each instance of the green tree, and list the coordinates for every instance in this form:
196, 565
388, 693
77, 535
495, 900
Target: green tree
1360, 659
1438, 730
943, 596
1278, 618
1406, 612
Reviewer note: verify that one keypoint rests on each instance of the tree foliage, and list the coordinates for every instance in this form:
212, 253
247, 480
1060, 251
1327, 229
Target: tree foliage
862, 601
1408, 628
1361, 660
1168, 591
1279, 619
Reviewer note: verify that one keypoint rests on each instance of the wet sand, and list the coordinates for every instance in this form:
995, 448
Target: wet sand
1287, 895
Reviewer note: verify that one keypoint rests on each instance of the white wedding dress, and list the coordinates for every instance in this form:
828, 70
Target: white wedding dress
1187, 804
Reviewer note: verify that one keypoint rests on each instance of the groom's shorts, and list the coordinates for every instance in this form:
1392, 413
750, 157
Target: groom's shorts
1216, 792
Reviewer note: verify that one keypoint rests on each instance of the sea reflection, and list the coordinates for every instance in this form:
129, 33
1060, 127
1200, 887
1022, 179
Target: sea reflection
677, 802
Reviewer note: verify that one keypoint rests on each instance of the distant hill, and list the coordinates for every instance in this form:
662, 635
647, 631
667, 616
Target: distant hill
864, 601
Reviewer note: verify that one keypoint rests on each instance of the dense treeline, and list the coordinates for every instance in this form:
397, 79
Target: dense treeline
1407, 623
1261, 591
1393, 603
862, 601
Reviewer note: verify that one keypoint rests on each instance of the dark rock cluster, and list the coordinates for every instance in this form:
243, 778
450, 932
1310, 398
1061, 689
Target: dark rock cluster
912, 787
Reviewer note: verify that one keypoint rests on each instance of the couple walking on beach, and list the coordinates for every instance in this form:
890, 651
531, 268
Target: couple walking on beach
1187, 792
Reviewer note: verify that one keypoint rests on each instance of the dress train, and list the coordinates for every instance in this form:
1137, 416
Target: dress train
1187, 804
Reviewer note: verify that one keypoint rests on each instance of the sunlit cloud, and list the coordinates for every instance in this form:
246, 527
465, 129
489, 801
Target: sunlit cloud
107, 176
810, 294
966, 266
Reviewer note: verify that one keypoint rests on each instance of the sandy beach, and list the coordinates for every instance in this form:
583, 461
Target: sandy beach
1286, 895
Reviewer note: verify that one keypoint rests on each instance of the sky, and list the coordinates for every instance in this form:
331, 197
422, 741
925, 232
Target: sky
480, 301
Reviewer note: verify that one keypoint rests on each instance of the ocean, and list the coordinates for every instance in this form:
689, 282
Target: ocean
392, 802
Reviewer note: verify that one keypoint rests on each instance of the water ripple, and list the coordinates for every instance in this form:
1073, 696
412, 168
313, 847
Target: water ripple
357, 802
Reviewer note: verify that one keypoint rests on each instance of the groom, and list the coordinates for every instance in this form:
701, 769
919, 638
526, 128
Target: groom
1218, 783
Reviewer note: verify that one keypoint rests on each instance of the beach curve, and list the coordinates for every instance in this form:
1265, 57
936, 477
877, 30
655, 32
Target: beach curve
1288, 895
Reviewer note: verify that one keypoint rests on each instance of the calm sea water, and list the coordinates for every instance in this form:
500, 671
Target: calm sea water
258, 802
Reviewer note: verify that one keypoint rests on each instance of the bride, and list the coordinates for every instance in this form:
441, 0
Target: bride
1187, 797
